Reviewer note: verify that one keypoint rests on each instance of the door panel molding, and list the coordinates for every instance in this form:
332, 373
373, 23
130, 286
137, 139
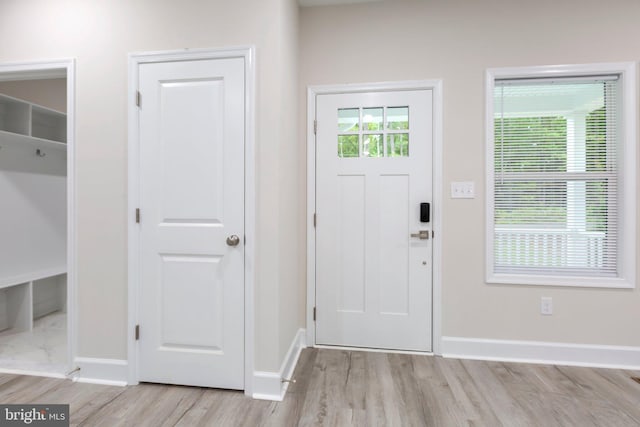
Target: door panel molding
247, 53
312, 93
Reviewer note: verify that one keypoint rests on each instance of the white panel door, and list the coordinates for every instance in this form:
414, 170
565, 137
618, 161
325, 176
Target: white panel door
374, 162
192, 201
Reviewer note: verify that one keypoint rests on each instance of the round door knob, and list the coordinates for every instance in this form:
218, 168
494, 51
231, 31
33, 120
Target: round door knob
233, 240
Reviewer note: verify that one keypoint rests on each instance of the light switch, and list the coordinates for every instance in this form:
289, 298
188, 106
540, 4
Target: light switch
463, 190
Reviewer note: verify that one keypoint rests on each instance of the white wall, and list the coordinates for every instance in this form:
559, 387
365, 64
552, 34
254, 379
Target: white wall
292, 257
457, 40
33, 227
50, 93
279, 258
100, 34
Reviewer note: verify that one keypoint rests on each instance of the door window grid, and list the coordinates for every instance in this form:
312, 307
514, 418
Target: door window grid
373, 132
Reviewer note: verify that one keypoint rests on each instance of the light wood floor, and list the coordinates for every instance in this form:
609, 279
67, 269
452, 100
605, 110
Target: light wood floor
340, 388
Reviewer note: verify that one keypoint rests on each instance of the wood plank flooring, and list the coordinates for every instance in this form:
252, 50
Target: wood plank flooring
351, 388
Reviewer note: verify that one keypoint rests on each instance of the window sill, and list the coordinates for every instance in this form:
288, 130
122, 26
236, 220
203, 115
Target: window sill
561, 281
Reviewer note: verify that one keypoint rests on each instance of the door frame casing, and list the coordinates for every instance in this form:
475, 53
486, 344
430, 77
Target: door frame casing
135, 60
47, 69
312, 93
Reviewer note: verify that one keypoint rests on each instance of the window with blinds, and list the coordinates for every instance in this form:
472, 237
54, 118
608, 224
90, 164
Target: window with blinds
556, 176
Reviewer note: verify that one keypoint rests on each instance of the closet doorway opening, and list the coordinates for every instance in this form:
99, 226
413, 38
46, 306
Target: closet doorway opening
37, 245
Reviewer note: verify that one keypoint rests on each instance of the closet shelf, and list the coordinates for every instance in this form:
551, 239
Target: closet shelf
9, 138
23, 122
6, 282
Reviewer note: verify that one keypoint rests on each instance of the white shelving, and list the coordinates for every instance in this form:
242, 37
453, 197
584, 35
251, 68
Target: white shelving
21, 303
6, 282
22, 122
33, 227
16, 309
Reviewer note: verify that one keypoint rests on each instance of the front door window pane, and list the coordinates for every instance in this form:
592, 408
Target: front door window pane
348, 146
372, 146
398, 145
372, 118
348, 119
398, 118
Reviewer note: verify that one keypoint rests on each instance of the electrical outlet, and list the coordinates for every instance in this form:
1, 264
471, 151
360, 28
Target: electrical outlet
463, 190
546, 306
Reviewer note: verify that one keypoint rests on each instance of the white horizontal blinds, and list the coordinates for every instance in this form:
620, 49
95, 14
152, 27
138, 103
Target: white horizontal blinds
556, 177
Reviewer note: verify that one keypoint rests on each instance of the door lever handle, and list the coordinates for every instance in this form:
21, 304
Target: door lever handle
422, 234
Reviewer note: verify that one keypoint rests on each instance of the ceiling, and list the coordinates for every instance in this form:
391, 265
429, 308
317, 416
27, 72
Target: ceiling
307, 3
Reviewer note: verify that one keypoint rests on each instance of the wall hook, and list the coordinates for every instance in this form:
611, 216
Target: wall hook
40, 153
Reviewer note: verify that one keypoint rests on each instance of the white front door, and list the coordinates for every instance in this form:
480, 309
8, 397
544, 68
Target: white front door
374, 162
191, 310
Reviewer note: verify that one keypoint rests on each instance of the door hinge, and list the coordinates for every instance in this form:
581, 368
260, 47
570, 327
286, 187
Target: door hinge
433, 234
137, 215
315, 127
314, 314
138, 99
314, 220
137, 332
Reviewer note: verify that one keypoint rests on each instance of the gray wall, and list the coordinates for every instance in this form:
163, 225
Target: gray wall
100, 34
457, 40
50, 93
392, 40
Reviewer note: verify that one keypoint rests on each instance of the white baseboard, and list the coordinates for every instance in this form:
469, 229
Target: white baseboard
597, 356
32, 373
101, 371
270, 385
267, 386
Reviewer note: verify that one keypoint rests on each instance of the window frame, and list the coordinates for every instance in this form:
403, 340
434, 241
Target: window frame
627, 194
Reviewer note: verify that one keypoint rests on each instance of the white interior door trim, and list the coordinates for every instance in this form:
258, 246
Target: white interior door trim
135, 60
312, 93
60, 68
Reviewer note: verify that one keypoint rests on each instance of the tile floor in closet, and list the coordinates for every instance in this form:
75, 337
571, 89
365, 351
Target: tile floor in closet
44, 349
